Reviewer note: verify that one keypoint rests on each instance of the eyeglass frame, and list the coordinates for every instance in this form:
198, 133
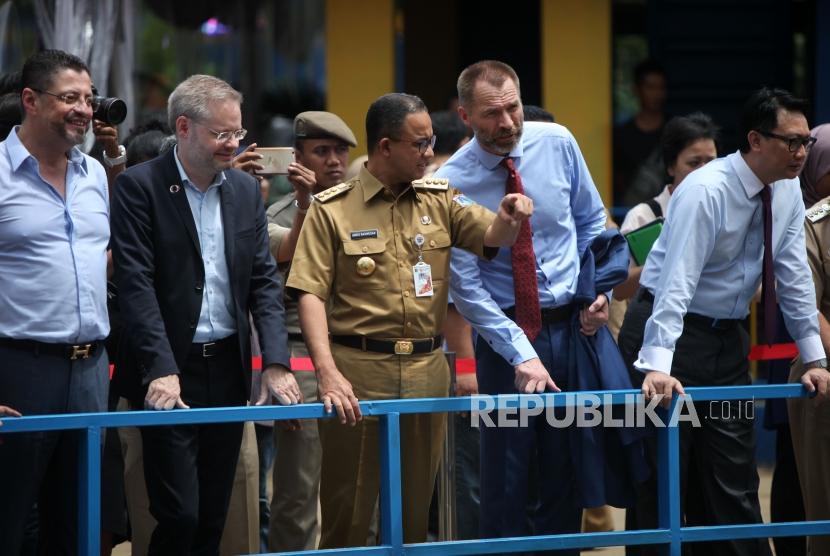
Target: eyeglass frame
225, 136
91, 101
421, 144
799, 142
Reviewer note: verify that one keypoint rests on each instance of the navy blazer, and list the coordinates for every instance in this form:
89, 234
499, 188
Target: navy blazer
608, 462
160, 274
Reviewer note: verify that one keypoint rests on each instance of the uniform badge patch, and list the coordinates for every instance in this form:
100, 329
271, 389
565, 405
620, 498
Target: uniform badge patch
463, 200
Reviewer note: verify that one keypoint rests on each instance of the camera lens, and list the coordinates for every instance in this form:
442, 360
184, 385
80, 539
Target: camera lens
111, 110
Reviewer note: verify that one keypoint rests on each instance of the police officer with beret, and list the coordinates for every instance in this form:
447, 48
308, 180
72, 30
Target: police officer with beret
321, 147
372, 269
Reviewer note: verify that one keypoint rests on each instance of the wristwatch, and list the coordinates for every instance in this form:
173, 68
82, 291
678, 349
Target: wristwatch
120, 159
818, 363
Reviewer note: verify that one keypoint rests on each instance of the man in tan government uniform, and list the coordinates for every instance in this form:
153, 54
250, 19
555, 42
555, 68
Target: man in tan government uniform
360, 266
809, 420
322, 142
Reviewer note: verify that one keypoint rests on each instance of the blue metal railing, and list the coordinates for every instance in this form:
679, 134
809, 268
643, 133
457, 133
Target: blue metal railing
670, 534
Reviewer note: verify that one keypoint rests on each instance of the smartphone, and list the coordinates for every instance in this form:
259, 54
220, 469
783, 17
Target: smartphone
275, 160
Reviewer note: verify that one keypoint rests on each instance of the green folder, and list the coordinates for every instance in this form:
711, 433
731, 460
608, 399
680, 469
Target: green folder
641, 240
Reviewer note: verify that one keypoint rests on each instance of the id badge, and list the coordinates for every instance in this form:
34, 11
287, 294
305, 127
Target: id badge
422, 275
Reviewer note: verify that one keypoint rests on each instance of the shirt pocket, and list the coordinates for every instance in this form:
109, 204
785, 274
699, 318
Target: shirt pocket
436, 250
364, 264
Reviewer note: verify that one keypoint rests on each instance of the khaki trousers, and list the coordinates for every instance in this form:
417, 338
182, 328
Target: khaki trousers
810, 429
351, 468
295, 503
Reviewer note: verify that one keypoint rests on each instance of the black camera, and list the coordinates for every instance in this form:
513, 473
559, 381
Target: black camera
110, 110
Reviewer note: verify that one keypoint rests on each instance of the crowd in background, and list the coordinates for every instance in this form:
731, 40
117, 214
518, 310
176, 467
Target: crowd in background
479, 231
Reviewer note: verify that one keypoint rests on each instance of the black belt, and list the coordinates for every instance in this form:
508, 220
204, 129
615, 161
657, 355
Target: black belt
212, 349
83, 350
709, 322
550, 315
396, 347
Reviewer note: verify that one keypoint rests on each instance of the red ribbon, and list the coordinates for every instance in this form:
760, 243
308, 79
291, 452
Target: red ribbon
467, 366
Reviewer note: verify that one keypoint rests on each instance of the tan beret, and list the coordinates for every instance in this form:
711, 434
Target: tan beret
322, 125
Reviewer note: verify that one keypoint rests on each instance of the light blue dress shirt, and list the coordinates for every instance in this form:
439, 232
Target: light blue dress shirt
708, 258
53, 251
217, 316
567, 214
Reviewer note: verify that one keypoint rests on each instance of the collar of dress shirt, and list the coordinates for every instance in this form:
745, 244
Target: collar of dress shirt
218, 179
752, 185
490, 160
18, 153
371, 186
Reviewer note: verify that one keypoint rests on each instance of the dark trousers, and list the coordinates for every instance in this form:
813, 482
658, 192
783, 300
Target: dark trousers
719, 478
42, 467
507, 453
189, 469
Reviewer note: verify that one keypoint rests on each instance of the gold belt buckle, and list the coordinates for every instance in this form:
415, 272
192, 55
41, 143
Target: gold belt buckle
404, 347
82, 351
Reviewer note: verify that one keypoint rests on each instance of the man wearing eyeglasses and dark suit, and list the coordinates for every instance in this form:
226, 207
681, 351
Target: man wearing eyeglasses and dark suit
190, 247
684, 327
371, 267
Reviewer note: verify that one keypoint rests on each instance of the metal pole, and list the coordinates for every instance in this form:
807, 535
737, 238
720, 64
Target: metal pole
391, 509
89, 491
446, 471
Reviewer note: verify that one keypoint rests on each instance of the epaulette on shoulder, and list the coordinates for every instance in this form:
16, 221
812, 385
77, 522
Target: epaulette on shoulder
432, 184
332, 192
819, 211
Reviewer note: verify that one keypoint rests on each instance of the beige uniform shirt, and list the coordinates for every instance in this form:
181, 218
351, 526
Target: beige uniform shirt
280, 217
360, 220
817, 237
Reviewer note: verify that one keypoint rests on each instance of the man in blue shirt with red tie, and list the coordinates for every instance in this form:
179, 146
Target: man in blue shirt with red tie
520, 302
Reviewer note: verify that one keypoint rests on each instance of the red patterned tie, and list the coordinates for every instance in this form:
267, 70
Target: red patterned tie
523, 259
768, 276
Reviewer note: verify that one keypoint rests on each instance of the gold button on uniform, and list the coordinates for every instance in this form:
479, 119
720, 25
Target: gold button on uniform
432, 243
365, 266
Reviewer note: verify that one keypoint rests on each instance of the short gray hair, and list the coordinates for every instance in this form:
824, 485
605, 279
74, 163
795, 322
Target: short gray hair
192, 96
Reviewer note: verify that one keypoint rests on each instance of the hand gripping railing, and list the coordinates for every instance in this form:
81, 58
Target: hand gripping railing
669, 533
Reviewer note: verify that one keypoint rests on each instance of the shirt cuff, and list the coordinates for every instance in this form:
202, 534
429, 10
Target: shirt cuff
654, 358
810, 349
518, 351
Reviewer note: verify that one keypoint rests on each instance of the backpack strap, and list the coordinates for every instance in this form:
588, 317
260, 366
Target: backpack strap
655, 208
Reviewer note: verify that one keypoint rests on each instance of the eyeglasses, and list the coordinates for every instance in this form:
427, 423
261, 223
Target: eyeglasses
793, 143
421, 145
72, 98
223, 136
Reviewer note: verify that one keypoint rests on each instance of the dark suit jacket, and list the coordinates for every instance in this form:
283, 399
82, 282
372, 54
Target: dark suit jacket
160, 273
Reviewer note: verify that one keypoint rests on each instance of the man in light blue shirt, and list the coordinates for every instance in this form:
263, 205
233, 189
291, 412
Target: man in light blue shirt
568, 214
54, 231
697, 283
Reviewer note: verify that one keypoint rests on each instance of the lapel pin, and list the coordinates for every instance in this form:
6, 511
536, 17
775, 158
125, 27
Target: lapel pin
175, 188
